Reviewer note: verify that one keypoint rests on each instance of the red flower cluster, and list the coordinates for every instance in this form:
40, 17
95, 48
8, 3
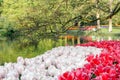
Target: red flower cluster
105, 66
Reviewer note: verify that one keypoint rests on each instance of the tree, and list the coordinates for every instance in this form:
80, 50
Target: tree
110, 19
37, 19
97, 14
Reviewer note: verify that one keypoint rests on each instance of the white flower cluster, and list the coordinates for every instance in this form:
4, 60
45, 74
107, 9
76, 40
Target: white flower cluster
47, 66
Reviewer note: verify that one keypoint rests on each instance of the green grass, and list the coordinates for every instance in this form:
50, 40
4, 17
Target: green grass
10, 51
114, 31
101, 32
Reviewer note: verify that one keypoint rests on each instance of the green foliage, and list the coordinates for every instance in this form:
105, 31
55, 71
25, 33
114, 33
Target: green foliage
51, 14
9, 51
38, 19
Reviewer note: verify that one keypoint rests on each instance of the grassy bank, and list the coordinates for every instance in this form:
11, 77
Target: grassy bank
10, 51
101, 32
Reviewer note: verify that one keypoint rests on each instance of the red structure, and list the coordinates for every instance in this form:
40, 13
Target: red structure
88, 28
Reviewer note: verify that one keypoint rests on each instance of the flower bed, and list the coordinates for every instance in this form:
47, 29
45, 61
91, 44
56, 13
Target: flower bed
49, 65
90, 61
105, 66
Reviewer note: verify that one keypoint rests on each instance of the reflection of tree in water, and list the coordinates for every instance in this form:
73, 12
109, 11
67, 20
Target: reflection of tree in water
76, 23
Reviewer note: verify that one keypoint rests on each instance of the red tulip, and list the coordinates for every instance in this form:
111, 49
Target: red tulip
106, 66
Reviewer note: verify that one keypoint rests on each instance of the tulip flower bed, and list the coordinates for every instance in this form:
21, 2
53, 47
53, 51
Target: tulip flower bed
49, 65
104, 66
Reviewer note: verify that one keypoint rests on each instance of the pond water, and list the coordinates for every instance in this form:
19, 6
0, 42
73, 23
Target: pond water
10, 50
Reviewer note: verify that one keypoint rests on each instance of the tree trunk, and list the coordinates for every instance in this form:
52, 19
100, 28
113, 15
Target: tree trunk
97, 15
110, 25
110, 19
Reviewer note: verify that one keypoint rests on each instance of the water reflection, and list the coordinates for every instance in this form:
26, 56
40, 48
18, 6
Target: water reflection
73, 40
10, 50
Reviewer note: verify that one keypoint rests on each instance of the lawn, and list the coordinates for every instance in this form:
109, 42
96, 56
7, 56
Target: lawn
101, 32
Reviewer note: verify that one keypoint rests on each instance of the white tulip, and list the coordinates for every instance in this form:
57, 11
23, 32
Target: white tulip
27, 61
29, 76
42, 66
52, 70
47, 63
2, 72
12, 73
20, 60
11, 78
19, 67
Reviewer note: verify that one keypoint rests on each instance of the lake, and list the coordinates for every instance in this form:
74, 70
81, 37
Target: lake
10, 50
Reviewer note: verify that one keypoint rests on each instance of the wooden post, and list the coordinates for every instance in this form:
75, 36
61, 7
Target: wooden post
98, 39
66, 40
73, 41
109, 38
102, 39
118, 39
78, 40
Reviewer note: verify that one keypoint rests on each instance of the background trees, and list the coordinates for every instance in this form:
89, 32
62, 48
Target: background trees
36, 19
